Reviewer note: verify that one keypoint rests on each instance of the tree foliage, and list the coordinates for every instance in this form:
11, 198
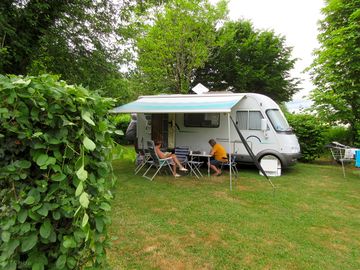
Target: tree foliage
247, 60
336, 69
80, 40
179, 42
24, 25
55, 174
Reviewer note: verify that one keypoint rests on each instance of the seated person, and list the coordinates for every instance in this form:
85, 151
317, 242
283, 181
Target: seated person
175, 160
219, 156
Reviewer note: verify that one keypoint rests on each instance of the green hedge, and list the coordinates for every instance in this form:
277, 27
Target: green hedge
55, 174
310, 131
339, 134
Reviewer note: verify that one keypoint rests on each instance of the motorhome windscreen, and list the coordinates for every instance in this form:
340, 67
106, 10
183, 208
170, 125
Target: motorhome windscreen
208, 120
278, 121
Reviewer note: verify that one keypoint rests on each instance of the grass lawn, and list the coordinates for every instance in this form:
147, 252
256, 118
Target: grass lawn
312, 222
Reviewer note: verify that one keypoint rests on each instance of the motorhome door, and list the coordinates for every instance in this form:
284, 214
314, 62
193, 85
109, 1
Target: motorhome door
249, 122
159, 128
171, 135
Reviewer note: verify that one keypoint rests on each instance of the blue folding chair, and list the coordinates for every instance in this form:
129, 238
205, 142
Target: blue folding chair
182, 153
231, 164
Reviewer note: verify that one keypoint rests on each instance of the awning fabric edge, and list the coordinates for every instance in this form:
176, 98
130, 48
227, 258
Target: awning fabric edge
177, 104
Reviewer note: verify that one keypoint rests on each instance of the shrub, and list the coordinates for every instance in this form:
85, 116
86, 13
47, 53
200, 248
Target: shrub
55, 165
338, 134
310, 132
121, 122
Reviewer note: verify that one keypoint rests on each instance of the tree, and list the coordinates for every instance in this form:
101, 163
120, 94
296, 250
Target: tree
247, 60
80, 40
24, 24
335, 71
177, 43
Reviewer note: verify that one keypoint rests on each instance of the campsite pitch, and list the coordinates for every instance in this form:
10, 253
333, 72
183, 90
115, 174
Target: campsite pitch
312, 222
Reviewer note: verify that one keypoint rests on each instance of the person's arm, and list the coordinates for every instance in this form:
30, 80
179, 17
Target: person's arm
212, 152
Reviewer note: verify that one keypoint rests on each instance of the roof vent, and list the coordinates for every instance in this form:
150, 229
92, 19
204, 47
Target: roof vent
200, 89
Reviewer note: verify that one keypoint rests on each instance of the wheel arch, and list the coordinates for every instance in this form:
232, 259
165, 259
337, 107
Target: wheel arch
274, 153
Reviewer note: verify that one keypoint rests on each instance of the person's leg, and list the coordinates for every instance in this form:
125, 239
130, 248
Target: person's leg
174, 168
213, 166
176, 161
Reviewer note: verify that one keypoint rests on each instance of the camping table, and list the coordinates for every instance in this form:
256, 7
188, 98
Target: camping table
203, 154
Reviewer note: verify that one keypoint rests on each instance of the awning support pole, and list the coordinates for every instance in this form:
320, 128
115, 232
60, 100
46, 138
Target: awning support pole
230, 152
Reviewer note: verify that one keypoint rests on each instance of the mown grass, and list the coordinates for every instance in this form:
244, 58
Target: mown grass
312, 222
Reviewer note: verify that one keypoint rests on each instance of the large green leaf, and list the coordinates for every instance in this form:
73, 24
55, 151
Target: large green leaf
5, 236
85, 220
37, 134
87, 117
42, 159
105, 206
58, 177
22, 82
11, 265
99, 223
61, 261
29, 200
37, 266
24, 164
22, 215
9, 248
119, 132
69, 242
71, 262
79, 189
82, 174
84, 200
43, 210
45, 229
89, 144
29, 242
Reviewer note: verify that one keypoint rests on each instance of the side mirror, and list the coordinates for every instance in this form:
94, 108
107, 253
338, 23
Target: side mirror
264, 124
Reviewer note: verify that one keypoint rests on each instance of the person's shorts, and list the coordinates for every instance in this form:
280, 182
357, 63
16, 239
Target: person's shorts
215, 162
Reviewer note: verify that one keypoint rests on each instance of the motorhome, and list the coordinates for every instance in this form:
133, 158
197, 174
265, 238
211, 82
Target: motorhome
191, 120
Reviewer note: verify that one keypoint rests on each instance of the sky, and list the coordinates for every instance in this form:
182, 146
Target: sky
297, 20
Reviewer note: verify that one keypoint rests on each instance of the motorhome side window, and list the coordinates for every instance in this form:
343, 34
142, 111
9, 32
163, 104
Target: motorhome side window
249, 120
208, 120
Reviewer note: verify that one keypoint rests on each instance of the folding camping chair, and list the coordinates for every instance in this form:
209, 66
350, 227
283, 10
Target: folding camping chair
156, 162
231, 165
342, 154
182, 153
142, 158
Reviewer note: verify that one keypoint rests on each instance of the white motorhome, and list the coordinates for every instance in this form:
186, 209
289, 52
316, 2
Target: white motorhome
191, 120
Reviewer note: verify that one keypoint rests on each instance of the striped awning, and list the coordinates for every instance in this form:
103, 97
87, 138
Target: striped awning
181, 104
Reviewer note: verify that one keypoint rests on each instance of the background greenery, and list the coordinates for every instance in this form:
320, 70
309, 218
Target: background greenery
128, 48
335, 71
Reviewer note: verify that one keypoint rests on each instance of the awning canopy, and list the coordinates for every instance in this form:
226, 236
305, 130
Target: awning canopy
181, 104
